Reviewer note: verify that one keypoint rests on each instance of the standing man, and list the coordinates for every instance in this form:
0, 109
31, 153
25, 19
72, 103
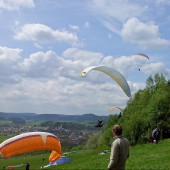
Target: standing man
119, 150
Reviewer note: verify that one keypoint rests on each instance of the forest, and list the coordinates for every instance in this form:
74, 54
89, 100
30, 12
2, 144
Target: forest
147, 109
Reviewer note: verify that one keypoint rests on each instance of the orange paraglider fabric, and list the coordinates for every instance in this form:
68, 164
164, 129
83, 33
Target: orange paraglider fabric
29, 142
54, 156
144, 55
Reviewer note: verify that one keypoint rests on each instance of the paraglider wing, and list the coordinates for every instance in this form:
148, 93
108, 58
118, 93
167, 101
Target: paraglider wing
144, 55
116, 107
113, 73
58, 162
139, 59
14, 166
29, 142
63, 160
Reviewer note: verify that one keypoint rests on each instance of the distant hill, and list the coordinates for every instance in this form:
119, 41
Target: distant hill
54, 117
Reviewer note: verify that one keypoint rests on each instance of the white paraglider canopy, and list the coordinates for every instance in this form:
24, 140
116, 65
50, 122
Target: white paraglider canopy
113, 73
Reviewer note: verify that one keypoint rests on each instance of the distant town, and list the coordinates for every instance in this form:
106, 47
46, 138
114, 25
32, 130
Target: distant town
69, 133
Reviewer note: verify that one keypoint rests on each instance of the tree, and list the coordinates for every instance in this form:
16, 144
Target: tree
146, 109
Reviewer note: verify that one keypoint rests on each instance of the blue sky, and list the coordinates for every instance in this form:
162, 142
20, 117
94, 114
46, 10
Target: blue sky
45, 45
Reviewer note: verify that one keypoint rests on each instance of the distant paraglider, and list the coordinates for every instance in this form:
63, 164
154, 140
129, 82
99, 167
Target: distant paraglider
29, 142
140, 55
115, 107
143, 55
99, 123
113, 73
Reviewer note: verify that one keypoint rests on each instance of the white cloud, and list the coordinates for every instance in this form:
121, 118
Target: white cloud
16, 4
42, 34
86, 58
87, 24
9, 55
154, 68
113, 14
49, 82
74, 27
50, 65
134, 86
9, 59
41, 64
111, 25
120, 10
163, 2
109, 36
145, 35
125, 63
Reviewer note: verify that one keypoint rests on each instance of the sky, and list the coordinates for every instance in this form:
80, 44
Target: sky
45, 45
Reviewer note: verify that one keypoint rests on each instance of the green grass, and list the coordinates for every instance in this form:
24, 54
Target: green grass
150, 156
142, 157
3, 138
5, 122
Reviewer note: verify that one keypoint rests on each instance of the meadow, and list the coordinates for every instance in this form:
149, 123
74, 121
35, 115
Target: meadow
142, 157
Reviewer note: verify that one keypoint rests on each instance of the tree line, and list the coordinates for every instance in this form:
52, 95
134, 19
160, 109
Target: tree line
146, 109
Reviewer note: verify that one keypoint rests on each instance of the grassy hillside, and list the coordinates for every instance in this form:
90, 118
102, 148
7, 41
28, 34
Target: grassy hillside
142, 157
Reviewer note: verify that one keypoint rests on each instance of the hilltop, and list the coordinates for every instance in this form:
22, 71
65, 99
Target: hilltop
53, 117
